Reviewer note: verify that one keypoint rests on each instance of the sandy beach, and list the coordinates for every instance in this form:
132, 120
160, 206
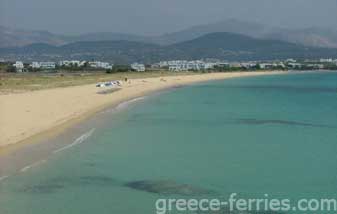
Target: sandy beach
32, 115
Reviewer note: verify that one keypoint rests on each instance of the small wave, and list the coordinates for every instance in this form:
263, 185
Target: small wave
26, 168
123, 105
4, 178
78, 141
126, 103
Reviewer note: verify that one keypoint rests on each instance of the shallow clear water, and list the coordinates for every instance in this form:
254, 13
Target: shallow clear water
273, 135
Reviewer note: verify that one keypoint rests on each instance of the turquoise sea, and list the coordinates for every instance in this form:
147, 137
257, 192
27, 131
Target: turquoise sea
274, 135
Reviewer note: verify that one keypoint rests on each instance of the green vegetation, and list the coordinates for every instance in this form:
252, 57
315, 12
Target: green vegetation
330, 66
229, 69
6, 67
11, 69
119, 69
18, 82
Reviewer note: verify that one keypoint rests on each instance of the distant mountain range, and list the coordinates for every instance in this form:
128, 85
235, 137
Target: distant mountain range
226, 46
10, 37
15, 38
313, 37
230, 26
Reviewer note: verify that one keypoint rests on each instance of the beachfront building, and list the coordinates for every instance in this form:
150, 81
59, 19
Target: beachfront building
281, 64
19, 66
248, 65
235, 65
71, 63
291, 61
43, 65
315, 66
178, 65
98, 64
35, 65
163, 64
222, 65
183, 65
138, 67
266, 66
198, 65
209, 65
194, 65
272, 65
156, 66
295, 65
47, 65
326, 60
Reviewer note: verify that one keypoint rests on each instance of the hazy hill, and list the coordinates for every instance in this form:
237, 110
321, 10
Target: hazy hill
10, 37
231, 26
235, 46
108, 36
315, 37
114, 51
226, 46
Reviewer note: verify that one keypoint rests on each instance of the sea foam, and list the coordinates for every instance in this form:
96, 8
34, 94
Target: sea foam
78, 141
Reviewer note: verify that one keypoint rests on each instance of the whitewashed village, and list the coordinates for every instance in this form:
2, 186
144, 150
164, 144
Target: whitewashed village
181, 65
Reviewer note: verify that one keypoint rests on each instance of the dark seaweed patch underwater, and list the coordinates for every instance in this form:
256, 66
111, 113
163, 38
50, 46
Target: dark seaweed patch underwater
59, 184
167, 187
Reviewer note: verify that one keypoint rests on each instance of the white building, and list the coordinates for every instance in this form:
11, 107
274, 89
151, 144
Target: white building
163, 64
98, 64
156, 65
291, 61
43, 65
266, 66
248, 65
315, 66
178, 65
295, 65
47, 65
69, 63
209, 65
138, 67
273, 65
19, 66
222, 64
35, 65
326, 60
235, 65
183, 65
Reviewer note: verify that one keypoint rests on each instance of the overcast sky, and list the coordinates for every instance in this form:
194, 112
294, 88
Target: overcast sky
149, 17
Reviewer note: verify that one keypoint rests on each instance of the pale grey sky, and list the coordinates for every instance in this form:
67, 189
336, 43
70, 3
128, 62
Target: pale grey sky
149, 17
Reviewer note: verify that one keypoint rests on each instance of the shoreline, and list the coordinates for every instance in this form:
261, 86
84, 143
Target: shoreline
86, 103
